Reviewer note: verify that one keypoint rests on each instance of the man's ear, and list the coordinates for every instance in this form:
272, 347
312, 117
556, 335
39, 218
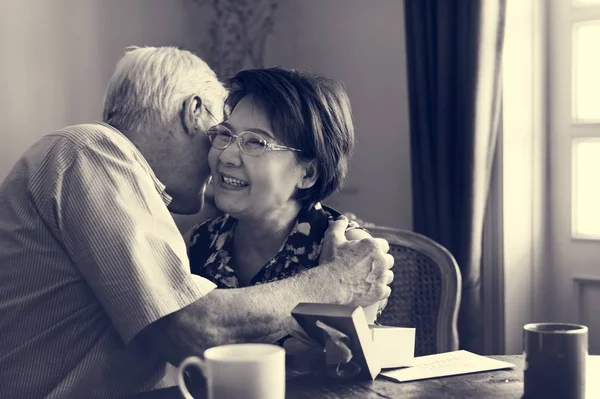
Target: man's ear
191, 114
311, 174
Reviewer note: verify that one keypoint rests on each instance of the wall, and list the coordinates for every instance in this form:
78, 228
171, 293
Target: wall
57, 57
362, 44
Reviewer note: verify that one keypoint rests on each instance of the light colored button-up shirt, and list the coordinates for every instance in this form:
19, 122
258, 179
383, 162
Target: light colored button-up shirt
89, 256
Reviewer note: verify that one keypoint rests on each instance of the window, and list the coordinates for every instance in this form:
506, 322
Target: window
585, 120
585, 2
586, 187
586, 76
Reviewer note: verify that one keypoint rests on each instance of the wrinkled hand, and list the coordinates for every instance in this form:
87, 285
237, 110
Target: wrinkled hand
334, 358
360, 269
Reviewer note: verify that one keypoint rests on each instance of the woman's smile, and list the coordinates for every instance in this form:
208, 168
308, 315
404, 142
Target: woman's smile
232, 183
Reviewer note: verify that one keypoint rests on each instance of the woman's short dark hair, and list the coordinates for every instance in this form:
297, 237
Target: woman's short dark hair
308, 112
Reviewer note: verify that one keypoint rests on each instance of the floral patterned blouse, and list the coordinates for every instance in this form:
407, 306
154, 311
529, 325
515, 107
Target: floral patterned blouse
211, 248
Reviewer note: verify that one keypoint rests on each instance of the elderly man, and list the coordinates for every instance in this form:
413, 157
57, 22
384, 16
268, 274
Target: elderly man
96, 295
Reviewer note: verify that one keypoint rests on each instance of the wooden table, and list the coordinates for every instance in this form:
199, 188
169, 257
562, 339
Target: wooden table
503, 384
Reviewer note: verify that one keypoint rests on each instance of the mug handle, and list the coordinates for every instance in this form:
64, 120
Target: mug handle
189, 361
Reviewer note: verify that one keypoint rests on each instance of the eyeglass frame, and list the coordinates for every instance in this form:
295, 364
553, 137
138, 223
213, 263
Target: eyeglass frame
268, 146
211, 114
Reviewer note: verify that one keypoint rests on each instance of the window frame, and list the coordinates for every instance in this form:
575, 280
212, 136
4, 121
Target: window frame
582, 14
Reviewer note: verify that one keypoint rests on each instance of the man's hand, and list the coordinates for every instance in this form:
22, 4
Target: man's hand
355, 272
360, 268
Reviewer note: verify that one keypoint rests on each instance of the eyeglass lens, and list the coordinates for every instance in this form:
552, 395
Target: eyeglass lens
249, 142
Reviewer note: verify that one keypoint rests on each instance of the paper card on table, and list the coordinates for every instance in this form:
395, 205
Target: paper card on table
395, 346
445, 364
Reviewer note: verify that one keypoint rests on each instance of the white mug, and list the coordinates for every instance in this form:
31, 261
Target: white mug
248, 371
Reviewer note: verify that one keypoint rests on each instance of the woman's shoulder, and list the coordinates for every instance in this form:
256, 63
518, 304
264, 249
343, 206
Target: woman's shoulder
333, 214
314, 221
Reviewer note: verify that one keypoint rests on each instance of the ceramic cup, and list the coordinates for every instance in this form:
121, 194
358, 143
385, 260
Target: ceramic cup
555, 356
248, 371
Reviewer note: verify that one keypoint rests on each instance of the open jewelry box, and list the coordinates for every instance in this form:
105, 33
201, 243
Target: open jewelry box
373, 346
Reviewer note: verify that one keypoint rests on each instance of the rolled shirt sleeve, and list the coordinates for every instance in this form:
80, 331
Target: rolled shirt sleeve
117, 229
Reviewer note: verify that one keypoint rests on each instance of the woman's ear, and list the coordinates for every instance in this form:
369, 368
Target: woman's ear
191, 114
311, 174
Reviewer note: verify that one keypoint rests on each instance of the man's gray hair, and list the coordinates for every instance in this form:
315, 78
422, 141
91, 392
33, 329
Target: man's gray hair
150, 84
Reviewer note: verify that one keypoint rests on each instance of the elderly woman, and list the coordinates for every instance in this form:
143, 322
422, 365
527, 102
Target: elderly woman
283, 147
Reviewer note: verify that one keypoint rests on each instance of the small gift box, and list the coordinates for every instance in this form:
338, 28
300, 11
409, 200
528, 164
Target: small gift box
395, 346
353, 348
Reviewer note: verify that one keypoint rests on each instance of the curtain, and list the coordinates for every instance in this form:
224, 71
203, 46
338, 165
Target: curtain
454, 51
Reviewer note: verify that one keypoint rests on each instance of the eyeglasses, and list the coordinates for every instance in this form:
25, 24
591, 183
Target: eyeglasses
211, 114
250, 143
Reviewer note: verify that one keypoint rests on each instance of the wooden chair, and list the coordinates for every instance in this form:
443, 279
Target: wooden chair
425, 292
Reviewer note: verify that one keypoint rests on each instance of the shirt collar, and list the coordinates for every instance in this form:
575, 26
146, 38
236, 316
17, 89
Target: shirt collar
160, 187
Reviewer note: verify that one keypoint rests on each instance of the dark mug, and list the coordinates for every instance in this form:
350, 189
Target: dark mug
555, 355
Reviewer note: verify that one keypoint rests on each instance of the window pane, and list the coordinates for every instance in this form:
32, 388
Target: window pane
586, 76
586, 190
